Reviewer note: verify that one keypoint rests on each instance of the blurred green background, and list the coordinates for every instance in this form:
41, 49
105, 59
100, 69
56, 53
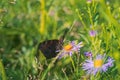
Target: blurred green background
25, 23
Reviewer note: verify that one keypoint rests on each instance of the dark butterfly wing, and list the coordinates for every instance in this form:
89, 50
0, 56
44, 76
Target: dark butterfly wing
49, 48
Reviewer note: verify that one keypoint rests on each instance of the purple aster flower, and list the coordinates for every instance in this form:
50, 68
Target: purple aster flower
70, 49
92, 33
99, 64
88, 54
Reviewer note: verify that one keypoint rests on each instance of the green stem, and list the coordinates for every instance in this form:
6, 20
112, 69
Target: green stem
80, 17
42, 17
2, 71
72, 63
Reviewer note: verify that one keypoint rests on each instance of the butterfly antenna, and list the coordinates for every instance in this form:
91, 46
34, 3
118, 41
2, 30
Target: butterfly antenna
65, 33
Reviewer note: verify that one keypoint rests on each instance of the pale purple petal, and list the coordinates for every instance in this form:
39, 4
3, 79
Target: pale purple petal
92, 33
89, 67
110, 62
70, 53
88, 54
104, 68
95, 71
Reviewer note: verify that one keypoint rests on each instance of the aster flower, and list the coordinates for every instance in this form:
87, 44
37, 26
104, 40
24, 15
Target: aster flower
70, 49
99, 64
92, 33
88, 54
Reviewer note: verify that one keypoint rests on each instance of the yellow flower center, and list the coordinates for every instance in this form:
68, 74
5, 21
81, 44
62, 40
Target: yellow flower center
98, 63
68, 47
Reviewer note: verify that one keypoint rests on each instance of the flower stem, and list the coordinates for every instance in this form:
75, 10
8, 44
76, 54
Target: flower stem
2, 71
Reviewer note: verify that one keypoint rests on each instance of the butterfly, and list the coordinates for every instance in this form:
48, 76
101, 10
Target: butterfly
49, 47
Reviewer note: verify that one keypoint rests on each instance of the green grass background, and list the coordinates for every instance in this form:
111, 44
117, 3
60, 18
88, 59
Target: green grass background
25, 23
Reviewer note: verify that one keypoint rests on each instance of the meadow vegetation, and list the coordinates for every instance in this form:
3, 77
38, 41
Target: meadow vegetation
26, 23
